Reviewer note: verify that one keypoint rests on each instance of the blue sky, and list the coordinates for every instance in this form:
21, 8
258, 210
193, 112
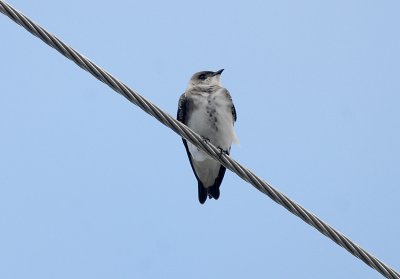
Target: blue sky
92, 187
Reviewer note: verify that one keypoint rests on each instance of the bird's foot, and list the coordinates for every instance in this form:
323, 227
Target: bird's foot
205, 139
222, 151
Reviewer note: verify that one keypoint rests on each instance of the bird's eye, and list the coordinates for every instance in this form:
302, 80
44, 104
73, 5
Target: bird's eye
202, 76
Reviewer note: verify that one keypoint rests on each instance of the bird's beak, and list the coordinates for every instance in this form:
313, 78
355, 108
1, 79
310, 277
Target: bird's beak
217, 73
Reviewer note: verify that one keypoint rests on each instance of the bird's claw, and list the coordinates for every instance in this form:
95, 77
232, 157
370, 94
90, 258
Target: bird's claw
222, 151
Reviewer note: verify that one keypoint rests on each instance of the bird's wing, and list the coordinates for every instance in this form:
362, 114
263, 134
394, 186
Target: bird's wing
234, 113
181, 114
182, 117
228, 95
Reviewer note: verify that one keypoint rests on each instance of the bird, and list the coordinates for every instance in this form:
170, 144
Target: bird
207, 108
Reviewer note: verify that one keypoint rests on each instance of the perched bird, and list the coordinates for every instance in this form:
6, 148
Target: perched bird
207, 108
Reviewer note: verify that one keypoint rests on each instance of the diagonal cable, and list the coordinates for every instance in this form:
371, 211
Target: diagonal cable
195, 139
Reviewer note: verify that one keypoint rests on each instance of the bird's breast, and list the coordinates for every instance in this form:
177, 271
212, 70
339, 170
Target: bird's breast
211, 117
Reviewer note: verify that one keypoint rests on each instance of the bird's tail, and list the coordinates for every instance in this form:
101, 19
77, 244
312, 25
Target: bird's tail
213, 191
203, 193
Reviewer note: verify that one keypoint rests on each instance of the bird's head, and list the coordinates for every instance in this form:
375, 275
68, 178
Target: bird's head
205, 79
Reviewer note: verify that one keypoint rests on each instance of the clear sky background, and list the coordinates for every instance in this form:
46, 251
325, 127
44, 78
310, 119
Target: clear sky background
92, 187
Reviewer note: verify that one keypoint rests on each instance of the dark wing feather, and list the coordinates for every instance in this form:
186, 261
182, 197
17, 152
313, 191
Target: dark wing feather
181, 117
234, 116
234, 113
181, 114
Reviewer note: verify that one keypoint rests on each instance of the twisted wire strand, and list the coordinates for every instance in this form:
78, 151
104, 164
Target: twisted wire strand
185, 132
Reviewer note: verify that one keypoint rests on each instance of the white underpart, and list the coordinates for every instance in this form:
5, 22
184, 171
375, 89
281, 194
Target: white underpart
201, 122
